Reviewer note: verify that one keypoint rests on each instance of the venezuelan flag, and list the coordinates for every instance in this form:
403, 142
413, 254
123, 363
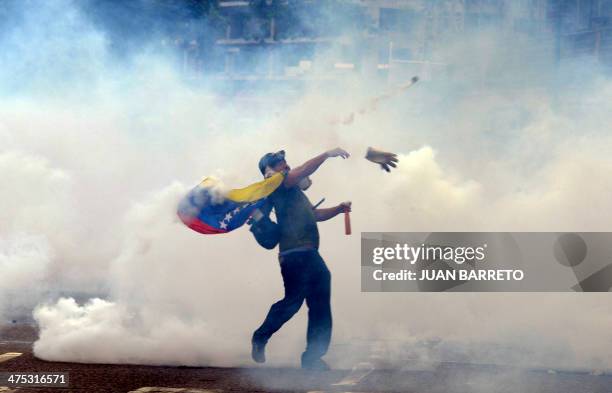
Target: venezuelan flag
207, 212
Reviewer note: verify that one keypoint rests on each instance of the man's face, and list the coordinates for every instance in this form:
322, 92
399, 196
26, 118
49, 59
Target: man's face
281, 166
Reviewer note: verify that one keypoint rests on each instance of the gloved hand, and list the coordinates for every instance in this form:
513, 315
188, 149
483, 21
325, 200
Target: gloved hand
382, 158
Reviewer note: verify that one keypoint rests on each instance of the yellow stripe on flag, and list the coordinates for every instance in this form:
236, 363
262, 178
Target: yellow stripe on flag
256, 191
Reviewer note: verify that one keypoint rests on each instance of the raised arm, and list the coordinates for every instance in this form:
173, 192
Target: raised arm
309, 167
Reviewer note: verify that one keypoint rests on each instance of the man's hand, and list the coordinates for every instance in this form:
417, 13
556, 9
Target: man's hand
345, 206
382, 158
309, 167
337, 152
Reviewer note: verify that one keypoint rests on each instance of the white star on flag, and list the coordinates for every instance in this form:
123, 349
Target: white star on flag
222, 225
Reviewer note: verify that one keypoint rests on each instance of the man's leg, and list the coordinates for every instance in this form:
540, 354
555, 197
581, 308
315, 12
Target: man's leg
319, 314
295, 282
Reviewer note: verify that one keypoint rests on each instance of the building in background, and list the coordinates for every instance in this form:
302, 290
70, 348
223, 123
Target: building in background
288, 41
583, 30
283, 40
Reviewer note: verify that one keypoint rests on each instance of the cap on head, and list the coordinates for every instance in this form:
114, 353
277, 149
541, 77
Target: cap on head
270, 160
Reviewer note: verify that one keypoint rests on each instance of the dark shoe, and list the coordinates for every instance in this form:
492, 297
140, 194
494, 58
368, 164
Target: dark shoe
314, 364
258, 351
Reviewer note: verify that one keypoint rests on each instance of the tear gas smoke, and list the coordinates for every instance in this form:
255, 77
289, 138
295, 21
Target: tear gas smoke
96, 152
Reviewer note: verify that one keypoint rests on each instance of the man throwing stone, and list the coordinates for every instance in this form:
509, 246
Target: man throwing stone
305, 275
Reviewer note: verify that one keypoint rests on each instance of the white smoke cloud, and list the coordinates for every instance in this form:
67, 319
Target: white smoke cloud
94, 174
35, 190
24, 260
36, 201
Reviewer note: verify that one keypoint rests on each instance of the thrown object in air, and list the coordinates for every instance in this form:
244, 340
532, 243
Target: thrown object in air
372, 104
386, 160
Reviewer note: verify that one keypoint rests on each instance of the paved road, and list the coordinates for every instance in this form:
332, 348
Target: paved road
442, 378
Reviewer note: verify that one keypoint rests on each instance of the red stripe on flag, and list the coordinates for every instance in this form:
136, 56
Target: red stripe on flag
200, 226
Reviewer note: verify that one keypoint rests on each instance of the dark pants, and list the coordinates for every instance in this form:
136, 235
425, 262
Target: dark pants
305, 277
